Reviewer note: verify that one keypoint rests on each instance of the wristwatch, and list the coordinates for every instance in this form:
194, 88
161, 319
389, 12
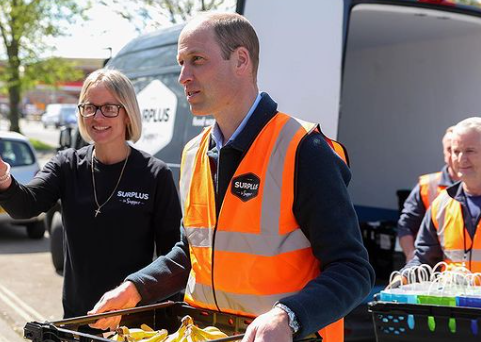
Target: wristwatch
293, 323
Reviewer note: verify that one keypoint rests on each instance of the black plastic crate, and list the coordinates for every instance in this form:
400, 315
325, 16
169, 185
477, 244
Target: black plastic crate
380, 240
411, 322
165, 315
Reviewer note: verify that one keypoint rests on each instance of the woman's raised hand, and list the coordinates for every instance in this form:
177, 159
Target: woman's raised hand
5, 178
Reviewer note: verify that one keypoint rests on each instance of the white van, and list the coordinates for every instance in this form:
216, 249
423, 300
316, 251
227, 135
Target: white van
384, 77
59, 114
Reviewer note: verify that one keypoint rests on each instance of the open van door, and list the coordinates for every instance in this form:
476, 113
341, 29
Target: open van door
301, 47
385, 78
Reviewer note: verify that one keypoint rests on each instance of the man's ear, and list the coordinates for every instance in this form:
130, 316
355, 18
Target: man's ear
243, 60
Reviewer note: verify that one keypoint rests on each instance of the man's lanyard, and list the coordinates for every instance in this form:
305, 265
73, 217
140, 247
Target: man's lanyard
467, 250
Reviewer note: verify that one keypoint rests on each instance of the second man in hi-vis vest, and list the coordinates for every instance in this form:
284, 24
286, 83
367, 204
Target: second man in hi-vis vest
269, 230
421, 197
451, 230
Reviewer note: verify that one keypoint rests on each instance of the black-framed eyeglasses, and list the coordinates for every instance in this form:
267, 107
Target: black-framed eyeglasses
108, 110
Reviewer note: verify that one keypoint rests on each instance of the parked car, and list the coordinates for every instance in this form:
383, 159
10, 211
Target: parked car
16, 150
59, 114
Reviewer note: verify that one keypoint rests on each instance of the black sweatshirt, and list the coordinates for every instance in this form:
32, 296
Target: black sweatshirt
325, 214
101, 251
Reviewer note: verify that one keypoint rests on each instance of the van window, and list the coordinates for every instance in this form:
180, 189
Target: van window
154, 58
170, 80
16, 153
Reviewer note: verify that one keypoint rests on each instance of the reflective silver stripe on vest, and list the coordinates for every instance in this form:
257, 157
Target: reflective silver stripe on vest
433, 184
199, 237
270, 245
253, 304
457, 255
264, 244
443, 201
187, 169
271, 199
199, 292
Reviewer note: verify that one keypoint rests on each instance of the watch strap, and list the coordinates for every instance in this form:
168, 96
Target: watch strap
293, 323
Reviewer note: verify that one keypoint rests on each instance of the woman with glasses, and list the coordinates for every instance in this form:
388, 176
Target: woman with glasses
117, 202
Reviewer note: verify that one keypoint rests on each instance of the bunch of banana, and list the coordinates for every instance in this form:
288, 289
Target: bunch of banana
142, 334
189, 332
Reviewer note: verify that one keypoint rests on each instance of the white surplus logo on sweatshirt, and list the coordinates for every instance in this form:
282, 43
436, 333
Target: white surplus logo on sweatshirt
132, 197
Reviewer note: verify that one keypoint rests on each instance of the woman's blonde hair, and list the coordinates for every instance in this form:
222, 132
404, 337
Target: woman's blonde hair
122, 89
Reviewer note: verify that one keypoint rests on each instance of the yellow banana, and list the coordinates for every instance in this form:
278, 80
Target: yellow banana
117, 337
179, 334
135, 334
188, 332
209, 333
159, 336
145, 327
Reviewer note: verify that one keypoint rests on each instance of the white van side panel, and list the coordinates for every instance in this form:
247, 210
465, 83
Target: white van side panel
398, 101
300, 56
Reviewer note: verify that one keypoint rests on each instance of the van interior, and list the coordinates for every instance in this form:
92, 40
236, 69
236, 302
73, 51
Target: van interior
409, 73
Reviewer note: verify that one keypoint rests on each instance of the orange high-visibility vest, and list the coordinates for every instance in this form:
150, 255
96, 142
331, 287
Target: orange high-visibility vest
430, 188
254, 253
455, 241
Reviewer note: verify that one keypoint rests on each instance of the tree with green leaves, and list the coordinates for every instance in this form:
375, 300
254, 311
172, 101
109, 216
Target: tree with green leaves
156, 13
25, 27
180, 11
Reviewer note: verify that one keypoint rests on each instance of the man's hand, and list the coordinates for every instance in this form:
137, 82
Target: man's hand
269, 327
125, 296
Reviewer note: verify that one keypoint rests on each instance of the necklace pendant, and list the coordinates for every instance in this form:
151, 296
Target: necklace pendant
97, 211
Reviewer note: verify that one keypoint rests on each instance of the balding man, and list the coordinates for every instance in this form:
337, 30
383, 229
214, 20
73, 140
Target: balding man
421, 197
451, 230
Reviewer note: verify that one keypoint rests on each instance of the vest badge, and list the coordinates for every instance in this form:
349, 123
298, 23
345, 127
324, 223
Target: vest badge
245, 186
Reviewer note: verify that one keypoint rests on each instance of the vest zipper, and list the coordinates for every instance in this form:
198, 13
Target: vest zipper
212, 273
216, 185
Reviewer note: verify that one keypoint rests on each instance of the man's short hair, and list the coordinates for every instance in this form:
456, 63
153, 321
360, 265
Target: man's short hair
232, 30
122, 89
473, 123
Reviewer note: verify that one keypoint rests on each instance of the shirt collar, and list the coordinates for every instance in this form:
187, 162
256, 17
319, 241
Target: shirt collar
456, 191
217, 134
445, 178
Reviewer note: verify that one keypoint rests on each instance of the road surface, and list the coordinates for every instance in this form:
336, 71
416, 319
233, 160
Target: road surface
30, 289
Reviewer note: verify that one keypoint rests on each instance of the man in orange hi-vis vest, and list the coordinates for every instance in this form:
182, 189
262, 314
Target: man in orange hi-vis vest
451, 230
421, 197
269, 230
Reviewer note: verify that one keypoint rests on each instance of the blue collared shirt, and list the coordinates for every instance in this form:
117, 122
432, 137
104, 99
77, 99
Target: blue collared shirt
219, 137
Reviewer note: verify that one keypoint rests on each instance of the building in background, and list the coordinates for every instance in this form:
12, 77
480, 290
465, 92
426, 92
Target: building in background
34, 101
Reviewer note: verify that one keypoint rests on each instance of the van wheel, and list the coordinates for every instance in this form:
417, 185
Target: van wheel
36, 230
56, 241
